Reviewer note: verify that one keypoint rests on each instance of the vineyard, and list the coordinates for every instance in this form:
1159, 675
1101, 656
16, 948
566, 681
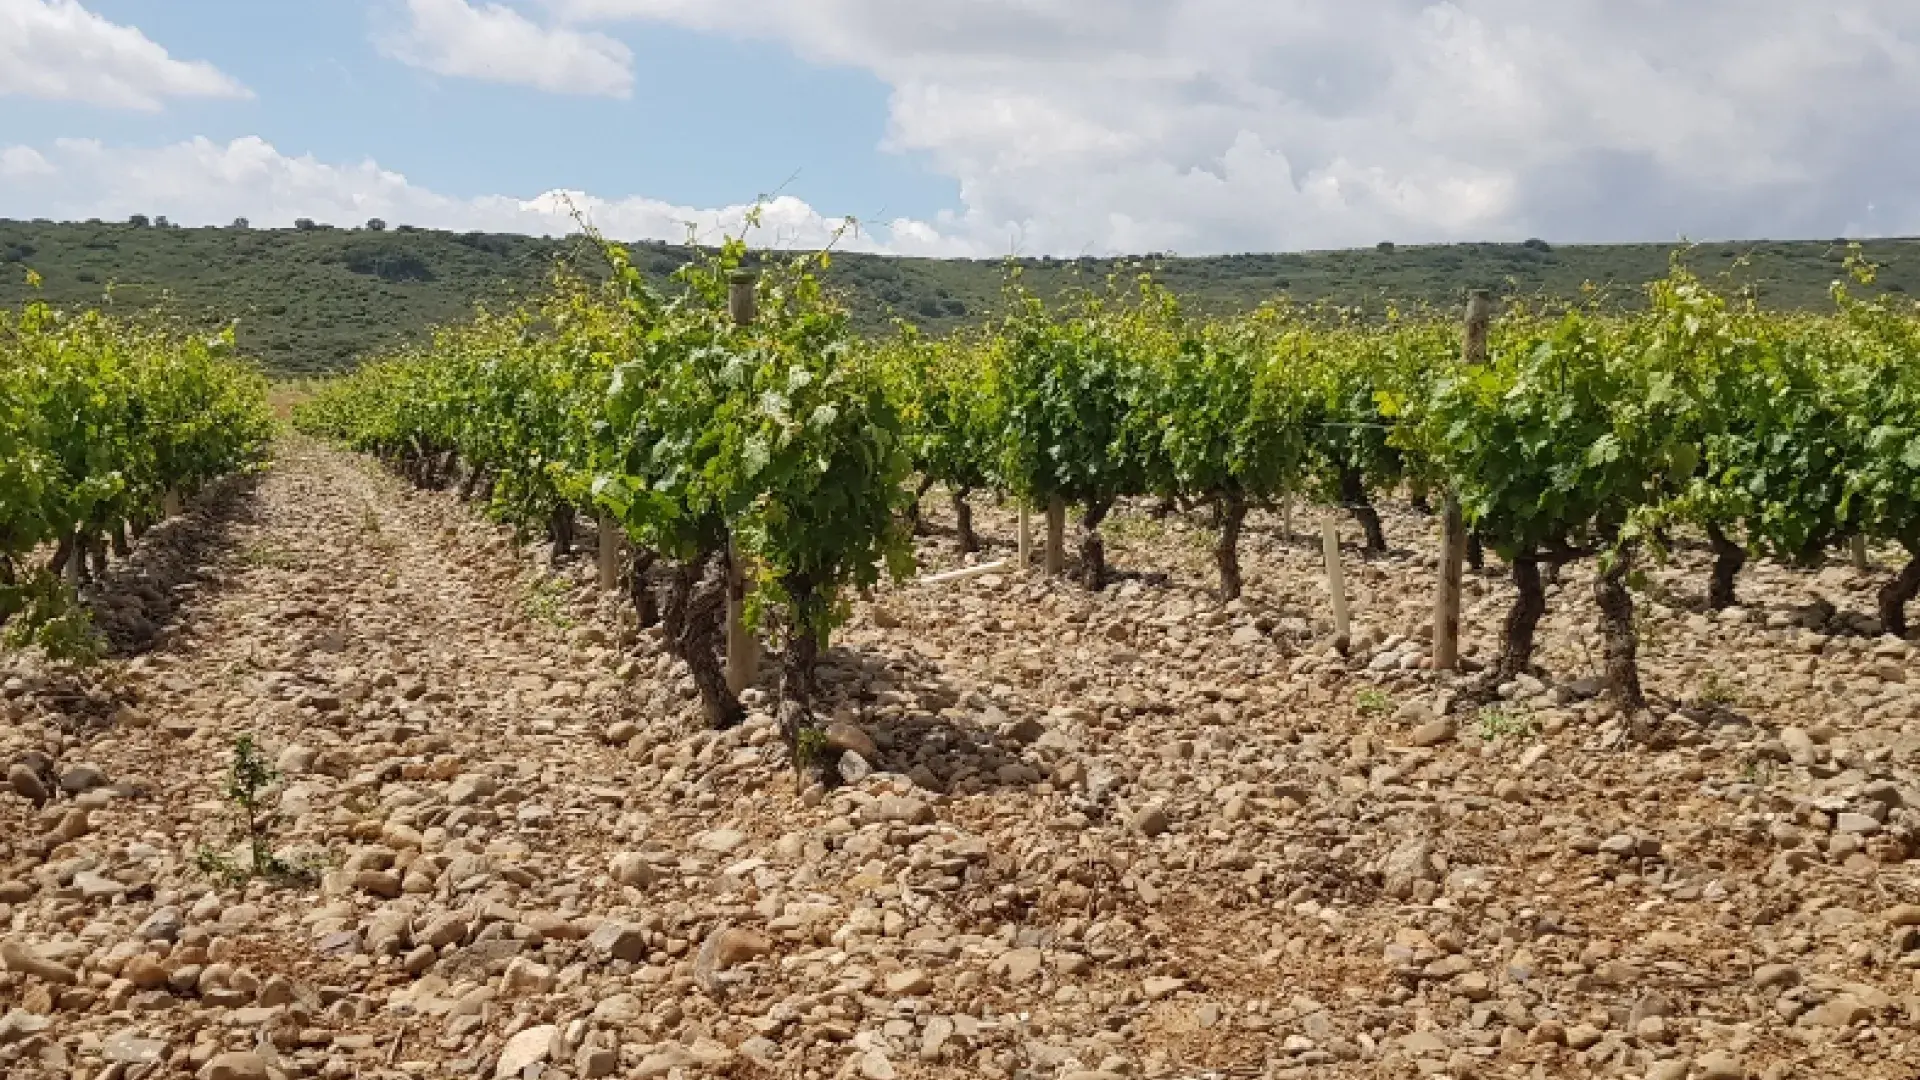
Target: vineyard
1148, 692
103, 427
715, 442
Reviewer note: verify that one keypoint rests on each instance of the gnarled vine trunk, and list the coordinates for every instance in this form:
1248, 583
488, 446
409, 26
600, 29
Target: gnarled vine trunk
691, 621
798, 661
1622, 642
1476, 552
1226, 547
963, 521
97, 555
1417, 497
641, 587
62, 554
560, 531
1728, 560
471, 482
915, 519
1516, 638
1895, 594
1353, 493
1093, 551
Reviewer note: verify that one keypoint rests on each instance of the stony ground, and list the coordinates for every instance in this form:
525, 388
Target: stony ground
1133, 834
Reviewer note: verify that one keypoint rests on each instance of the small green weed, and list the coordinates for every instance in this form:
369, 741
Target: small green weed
45, 611
248, 776
1503, 722
810, 748
546, 601
261, 556
1718, 692
1372, 701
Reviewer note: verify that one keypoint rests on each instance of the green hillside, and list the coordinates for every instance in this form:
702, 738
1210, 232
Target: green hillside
311, 300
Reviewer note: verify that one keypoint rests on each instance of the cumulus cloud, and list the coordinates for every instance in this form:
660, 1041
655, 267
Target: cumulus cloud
1225, 125
202, 182
57, 50
495, 43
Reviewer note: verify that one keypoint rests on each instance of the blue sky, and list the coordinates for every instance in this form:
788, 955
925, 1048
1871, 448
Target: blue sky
976, 127
711, 119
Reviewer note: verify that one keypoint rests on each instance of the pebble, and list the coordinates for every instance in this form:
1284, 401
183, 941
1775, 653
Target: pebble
235, 1065
1152, 821
26, 784
528, 1047
1718, 1065
18, 956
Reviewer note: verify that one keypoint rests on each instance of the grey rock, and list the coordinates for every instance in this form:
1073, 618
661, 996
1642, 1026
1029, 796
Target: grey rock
1152, 820
128, 1048
1410, 862
163, 925
619, 941
80, 779
27, 784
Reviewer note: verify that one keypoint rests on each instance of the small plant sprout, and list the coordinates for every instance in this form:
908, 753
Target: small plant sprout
248, 777
1502, 722
546, 600
1372, 701
1718, 692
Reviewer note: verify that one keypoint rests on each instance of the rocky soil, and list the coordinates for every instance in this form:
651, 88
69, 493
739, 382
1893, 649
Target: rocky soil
1127, 835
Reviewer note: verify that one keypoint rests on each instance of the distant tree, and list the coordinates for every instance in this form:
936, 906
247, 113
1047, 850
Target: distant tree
1384, 247
139, 221
242, 223
376, 225
161, 222
304, 224
1537, 244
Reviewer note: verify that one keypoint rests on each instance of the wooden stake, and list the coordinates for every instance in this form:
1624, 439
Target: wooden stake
1336, 581
1056, 536
1858, 547
611, 543
1446, 602
743, 648
1026, 538
1453, 529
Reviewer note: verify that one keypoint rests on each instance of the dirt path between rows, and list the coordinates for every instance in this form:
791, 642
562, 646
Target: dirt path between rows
1133, 834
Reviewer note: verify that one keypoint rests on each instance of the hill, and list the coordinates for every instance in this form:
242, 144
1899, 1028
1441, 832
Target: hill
310, 300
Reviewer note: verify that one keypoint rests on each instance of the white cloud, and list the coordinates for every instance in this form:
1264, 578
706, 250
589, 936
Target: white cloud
495, 43
23, 161
202, 182
58, 50
1224, 125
